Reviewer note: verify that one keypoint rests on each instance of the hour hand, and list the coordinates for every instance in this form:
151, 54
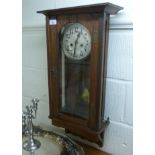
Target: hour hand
76, 42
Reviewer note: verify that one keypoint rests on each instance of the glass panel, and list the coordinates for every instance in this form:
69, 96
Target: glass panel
74, 86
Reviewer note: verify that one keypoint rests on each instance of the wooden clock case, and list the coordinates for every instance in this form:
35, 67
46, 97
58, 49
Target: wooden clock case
96, 19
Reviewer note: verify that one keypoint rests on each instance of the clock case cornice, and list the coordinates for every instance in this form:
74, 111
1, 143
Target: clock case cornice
108, 8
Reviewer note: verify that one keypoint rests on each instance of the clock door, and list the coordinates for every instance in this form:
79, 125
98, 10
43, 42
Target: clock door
74, 87
70, 78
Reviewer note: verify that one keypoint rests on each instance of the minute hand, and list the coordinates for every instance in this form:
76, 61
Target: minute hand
76, 41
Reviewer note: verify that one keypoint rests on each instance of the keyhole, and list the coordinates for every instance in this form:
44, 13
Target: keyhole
81, 45
71, 44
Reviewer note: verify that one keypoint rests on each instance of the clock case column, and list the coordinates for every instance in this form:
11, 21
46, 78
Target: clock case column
92, 128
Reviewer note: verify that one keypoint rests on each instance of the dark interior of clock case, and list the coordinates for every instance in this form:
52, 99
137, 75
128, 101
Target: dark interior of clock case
74, 86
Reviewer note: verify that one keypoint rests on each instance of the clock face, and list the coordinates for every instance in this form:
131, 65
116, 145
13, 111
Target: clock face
76, 41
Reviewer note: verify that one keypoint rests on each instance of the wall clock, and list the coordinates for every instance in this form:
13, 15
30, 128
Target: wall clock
77, 46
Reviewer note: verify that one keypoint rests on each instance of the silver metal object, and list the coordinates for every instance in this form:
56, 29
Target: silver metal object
31, 144
35, 105
54, 144
51, 142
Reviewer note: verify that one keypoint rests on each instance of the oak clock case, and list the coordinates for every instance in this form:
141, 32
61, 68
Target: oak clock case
77, 46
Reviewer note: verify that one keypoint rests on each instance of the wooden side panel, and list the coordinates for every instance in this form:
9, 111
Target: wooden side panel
98, 67
52, 45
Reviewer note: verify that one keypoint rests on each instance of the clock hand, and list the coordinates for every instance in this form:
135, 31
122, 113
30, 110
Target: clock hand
76, 41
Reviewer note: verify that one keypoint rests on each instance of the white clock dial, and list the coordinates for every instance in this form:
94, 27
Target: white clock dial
76, 41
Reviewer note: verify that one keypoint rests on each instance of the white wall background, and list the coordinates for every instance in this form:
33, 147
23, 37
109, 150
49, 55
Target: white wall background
118, 136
